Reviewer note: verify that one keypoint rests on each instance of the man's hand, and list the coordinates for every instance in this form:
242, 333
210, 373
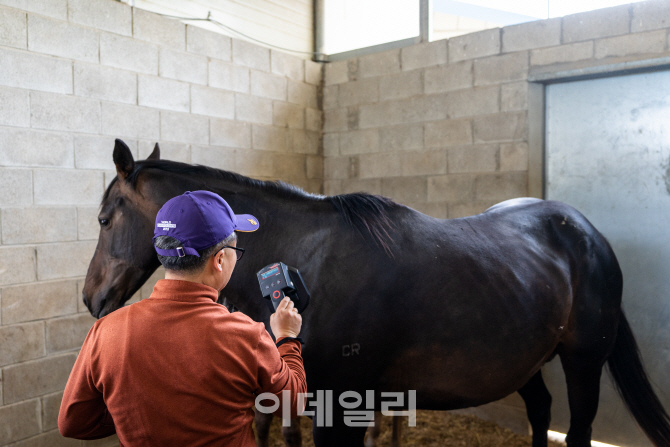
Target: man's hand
286, 321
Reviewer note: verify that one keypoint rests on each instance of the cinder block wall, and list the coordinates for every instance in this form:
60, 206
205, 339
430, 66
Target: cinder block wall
444, 126
74, 75
439, 126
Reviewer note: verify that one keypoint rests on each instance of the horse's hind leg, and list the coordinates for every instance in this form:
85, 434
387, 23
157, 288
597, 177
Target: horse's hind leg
582, 375
538, 407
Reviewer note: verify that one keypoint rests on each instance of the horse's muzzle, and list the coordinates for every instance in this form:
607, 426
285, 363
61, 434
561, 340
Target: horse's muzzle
96, 309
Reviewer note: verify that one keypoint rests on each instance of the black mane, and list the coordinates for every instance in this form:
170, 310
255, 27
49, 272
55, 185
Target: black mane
278, 187
367, 213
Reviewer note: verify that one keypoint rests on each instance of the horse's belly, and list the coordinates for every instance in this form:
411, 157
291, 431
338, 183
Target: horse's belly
484, 343
467, 375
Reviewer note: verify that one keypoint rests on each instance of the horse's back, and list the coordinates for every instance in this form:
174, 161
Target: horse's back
517, 202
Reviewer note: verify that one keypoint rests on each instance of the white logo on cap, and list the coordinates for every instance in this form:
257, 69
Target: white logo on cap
166, 224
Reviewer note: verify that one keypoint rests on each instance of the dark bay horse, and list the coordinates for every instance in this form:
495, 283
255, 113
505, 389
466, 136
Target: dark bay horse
464, 311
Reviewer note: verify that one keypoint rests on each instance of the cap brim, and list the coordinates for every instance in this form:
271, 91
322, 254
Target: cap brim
246, 223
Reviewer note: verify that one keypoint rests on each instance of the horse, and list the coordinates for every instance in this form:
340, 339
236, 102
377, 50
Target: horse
460, 311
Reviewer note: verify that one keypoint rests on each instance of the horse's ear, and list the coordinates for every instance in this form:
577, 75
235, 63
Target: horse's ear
123, 159
156, 154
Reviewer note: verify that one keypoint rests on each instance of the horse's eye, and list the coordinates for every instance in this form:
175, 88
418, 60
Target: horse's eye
103, 222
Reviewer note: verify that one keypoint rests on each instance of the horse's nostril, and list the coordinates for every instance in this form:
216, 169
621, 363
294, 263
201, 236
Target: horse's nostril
83, 297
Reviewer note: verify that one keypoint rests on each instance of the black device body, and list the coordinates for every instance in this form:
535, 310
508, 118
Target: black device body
278, 280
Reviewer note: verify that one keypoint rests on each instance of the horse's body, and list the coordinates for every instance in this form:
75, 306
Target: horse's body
464, 311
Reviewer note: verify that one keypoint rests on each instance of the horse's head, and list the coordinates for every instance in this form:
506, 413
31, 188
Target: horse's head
124, 257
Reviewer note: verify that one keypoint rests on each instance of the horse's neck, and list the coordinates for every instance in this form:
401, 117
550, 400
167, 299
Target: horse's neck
287, 227
284, 217
291, 219
274, 206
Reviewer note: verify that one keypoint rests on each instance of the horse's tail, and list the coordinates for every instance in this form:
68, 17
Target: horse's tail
634, 387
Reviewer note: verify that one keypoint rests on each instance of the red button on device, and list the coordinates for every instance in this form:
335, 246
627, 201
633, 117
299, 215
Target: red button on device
276, 294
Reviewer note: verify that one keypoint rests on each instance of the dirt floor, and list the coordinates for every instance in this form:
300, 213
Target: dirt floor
433, 429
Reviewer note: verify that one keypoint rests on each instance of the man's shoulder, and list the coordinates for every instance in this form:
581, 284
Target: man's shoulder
209, 314
243, 322
113, 317
107, 325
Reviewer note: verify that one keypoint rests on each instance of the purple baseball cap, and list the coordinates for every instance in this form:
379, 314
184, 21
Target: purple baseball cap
199, 219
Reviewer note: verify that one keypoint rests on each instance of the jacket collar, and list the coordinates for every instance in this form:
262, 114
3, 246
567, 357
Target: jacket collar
178, 290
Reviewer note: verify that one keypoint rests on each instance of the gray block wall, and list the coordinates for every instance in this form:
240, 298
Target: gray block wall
435, 126
75, 75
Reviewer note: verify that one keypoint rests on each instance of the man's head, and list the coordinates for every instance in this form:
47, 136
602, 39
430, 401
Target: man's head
192, 232
189, 263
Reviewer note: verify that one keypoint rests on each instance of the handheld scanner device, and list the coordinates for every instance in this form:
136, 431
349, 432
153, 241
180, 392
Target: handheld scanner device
279, 280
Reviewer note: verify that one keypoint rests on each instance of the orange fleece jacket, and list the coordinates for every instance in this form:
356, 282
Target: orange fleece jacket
176, 369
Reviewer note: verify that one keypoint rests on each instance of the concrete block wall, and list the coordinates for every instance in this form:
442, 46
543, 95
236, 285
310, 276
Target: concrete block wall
444, 126
437, 126
74, 75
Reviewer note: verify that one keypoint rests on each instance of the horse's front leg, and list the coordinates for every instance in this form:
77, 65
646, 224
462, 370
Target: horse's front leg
292, 434
263, 422
396, 438
373, 432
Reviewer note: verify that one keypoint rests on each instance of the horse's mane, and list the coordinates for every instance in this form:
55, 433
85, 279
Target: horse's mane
369, 214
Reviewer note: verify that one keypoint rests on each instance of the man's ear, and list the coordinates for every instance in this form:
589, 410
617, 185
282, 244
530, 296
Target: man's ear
218, 261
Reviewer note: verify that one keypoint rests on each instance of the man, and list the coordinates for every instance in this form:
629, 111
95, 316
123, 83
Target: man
177, 368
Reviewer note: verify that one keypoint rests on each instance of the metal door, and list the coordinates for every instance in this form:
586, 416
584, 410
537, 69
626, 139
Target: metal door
608, 155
